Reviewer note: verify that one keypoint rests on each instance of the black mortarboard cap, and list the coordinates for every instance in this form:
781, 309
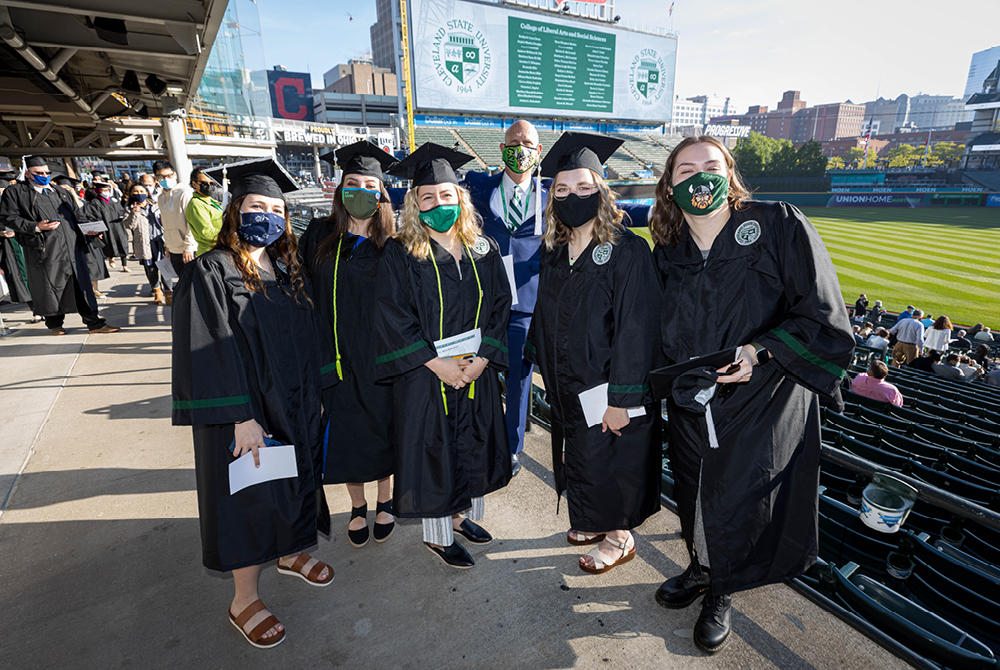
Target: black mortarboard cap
579, 150
362, 158
65, 180
431, 164
263, 176
34, 161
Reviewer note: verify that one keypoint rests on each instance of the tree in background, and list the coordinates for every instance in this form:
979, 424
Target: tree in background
944, 153
835, 163
762, 156
904, 155
810, 161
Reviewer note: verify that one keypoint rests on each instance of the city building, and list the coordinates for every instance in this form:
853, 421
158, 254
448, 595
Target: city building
794, 120
383, 47
697, 111
360, 77
983, 62
983, 151
919, 113
841, 148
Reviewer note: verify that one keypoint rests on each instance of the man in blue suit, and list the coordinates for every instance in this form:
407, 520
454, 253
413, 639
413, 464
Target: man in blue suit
512, 206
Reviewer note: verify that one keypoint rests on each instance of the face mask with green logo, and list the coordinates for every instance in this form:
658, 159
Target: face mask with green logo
441, 218
702, 193
360, 202
519, 159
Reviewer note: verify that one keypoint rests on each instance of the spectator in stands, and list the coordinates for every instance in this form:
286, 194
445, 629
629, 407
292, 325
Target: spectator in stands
907, 314
993, 377
703, 220
984, 335
861, 308
928, 321
203, 213
880, 340
866, 330
926, 363
969, 367
856, 331
982, 355
173, 201
873, 385
975, 331
961, 341
876, 313
909, 334
938, 334
950, 368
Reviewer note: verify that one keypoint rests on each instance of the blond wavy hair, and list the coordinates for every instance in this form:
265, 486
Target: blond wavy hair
607, 225
416, 237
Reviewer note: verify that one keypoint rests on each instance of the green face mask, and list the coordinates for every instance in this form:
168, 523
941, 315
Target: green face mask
360, 203
441, 218
520, 159
702, 193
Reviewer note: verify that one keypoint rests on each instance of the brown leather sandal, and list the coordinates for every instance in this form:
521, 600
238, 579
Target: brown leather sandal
313, 576
603, 562
254, 636
584, 538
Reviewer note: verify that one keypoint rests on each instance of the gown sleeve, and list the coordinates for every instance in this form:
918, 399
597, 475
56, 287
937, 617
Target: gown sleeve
813, 344
323, 321
636, 305
209, 379
494, 344
10, 213
399, 342
636, 216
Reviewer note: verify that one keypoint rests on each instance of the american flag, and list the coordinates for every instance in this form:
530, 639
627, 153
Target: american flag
670, 12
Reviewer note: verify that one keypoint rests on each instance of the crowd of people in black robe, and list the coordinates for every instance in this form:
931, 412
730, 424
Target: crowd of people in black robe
375, 344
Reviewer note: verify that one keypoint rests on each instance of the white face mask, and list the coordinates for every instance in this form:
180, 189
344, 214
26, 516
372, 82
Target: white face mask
168, 183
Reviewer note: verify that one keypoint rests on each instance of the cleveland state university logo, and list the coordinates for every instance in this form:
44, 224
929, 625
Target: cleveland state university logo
461, 56
747, 233
645, 76
701, 196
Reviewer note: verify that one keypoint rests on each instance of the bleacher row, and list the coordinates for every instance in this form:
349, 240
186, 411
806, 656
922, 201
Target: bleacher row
640, 153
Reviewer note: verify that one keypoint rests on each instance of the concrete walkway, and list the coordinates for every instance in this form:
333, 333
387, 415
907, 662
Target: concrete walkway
102, 564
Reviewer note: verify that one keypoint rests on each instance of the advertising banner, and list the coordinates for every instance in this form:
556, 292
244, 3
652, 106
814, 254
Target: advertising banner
291, 95
993, 200
474, 56
878, 200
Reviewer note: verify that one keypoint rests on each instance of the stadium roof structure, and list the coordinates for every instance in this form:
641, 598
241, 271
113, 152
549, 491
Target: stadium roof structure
68, 65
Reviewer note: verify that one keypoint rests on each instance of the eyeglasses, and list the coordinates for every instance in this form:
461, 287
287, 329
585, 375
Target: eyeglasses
561, 192
43, 174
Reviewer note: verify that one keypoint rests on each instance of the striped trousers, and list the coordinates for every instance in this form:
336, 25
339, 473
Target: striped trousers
440, 531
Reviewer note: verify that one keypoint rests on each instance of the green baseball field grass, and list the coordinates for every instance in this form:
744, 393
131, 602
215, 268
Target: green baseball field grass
943, 260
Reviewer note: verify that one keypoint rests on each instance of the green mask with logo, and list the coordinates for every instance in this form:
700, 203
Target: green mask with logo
702, 193
520, 159
360, 202
441, 218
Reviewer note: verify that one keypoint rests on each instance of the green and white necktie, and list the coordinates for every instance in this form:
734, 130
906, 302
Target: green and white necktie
516, 211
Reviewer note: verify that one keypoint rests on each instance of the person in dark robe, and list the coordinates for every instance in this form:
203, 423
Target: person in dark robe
12, 262
96, 263
107, 208
341, 255
246, 366
595, 328
44, 219
441, 288
753, 278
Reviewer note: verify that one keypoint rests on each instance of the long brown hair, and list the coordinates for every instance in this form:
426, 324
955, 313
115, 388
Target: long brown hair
666, 221
380, 228
285, 249
607, 224
414, 235
942, 323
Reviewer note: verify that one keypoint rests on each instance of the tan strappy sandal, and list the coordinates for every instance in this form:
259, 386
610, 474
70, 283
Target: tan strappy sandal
603, 562
313, 576
254, 636
583, 538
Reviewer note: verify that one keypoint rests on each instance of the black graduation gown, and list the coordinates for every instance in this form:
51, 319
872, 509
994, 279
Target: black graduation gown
15, 270
54, 259
316, 232
768, 279
443, 461
358, 419
240, 355
112, 214
595, 323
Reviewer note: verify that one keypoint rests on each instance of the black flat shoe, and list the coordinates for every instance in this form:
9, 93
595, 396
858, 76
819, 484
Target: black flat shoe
711, 632
680, 591
358, 538
454, 555
474, 533
382, 531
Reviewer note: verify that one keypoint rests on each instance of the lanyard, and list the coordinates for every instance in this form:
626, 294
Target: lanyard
336, 274
479, 307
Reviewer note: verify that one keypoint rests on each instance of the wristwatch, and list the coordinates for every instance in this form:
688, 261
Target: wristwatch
760, 353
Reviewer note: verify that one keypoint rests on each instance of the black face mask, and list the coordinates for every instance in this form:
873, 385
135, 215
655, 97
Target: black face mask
575, 211
205, 188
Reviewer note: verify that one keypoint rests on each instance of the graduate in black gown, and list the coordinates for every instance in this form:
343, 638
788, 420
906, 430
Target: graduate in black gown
96, 263
12, 261
107, 208
341, 255
246, 366
744, 444
595, 325
440, 279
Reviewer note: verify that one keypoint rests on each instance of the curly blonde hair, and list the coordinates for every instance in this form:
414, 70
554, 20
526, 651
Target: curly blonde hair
607, 225
416, 237
666, 218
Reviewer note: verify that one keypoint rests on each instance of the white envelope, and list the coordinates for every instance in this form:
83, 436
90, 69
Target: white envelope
595, 404
461, 345
166, 269
275, 463
508, 265
92, 227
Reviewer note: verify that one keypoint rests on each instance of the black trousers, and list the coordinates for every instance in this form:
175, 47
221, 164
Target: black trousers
90, 317
155, 280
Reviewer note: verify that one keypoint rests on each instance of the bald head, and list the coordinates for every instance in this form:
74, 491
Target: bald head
521, 133
519, 162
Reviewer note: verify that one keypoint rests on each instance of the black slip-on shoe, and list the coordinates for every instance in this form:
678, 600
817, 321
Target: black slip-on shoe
454, 555
474, 533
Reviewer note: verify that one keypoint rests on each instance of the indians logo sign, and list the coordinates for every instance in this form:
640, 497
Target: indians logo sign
645, 77
461, 56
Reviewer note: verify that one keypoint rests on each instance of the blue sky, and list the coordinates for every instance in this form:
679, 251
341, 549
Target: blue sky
751, 51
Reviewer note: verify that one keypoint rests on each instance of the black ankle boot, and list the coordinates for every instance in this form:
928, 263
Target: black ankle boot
711, 633
680, 591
